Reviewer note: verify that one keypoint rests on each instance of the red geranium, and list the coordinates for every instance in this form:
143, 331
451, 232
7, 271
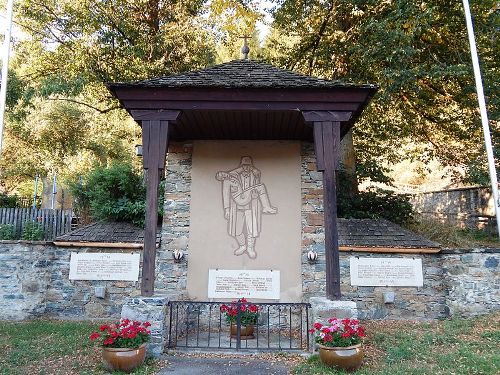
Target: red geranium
126, 334
248, 312
338, 332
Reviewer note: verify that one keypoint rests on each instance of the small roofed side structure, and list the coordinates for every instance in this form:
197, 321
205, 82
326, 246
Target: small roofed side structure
243, 100
371, 235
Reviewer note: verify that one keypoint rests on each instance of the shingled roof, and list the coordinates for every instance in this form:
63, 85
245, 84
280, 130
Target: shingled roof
240, 74
354, 234
105, 233
359, 234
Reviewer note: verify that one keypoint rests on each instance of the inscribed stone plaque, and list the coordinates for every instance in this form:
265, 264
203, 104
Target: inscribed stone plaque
386, 272
257, 284
104, 266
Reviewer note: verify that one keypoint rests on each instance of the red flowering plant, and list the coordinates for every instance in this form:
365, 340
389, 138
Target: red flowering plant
338, 333
126, 334
248, 312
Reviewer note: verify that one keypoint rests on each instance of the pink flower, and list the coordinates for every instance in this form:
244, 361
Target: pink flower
94, 336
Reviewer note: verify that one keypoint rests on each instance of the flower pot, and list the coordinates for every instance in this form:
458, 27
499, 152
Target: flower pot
124, 359
349, 358
246, 332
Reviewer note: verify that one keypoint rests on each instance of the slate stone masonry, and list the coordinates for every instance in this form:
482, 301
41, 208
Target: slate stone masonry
34, 275
34, 282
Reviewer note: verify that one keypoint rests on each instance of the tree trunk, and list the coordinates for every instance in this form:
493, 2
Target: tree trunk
348, 187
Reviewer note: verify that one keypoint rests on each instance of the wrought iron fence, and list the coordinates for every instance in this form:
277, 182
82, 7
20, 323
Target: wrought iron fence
278, 326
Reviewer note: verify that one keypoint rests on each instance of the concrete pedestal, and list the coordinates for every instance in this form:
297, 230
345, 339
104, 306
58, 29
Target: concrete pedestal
323, 309
154, 310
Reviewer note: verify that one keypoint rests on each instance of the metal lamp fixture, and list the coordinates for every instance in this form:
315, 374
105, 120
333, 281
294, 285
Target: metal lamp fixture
312, 256
178, 255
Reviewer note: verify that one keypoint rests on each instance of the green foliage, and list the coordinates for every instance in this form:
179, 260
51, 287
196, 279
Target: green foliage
32, 232
60, 114
418, 53
376, 204
8, 201
451, 346
7, 232
26, 346
115, 193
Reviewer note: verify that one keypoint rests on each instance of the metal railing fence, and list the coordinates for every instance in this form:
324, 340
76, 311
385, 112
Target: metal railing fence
203, 325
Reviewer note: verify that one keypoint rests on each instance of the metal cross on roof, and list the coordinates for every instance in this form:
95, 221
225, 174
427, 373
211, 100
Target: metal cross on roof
245, 50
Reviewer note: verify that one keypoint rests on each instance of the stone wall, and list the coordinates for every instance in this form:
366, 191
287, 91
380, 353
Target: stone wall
34, 281
471, 207
172, 276
34, 276
455, 282
473, 280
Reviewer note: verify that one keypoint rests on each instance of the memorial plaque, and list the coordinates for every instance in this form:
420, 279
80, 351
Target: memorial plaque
261, 284
386, 272
104, 266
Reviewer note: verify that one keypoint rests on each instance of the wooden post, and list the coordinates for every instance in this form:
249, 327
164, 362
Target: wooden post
155, 127
327, 145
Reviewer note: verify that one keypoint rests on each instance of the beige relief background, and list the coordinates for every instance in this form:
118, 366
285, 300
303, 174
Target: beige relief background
278, 245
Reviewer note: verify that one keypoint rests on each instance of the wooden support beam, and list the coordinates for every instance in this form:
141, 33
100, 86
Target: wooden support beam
155, 131
327, 145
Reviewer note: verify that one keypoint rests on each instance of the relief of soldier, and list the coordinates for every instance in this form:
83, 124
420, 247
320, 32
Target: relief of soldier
245, 199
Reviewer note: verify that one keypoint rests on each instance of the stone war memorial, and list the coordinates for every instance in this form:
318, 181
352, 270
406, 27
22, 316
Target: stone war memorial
248, 153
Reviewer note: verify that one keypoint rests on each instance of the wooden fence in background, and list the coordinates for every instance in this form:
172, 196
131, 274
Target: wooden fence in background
54, 222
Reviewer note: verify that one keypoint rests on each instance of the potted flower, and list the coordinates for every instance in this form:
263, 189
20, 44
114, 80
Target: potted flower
248, 313
123, 344
339, 343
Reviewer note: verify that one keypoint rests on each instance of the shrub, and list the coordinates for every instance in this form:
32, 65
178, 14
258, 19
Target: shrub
115, 193
376, 204
10, 201
7, 232
32, 232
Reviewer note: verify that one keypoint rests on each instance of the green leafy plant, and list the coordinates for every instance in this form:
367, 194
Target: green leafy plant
32, 232
338, 333
125, 334
115, 193
248, 312
8, 200
376, 204
7, 232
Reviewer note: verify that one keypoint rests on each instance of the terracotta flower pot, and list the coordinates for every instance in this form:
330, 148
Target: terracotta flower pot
246, 332
124, 359
349, 358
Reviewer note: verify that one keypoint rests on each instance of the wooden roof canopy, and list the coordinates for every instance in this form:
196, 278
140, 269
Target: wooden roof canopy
243, 99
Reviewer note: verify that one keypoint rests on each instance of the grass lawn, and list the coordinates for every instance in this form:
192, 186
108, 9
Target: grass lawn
53, 347
458, 346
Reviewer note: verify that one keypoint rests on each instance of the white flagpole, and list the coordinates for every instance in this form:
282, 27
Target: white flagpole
484, 114
5, 66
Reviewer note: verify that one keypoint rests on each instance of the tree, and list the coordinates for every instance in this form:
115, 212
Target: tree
417, 52
60, 112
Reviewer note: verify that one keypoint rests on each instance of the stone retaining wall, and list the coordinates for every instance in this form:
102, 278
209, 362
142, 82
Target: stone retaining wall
34, 282
470, 207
